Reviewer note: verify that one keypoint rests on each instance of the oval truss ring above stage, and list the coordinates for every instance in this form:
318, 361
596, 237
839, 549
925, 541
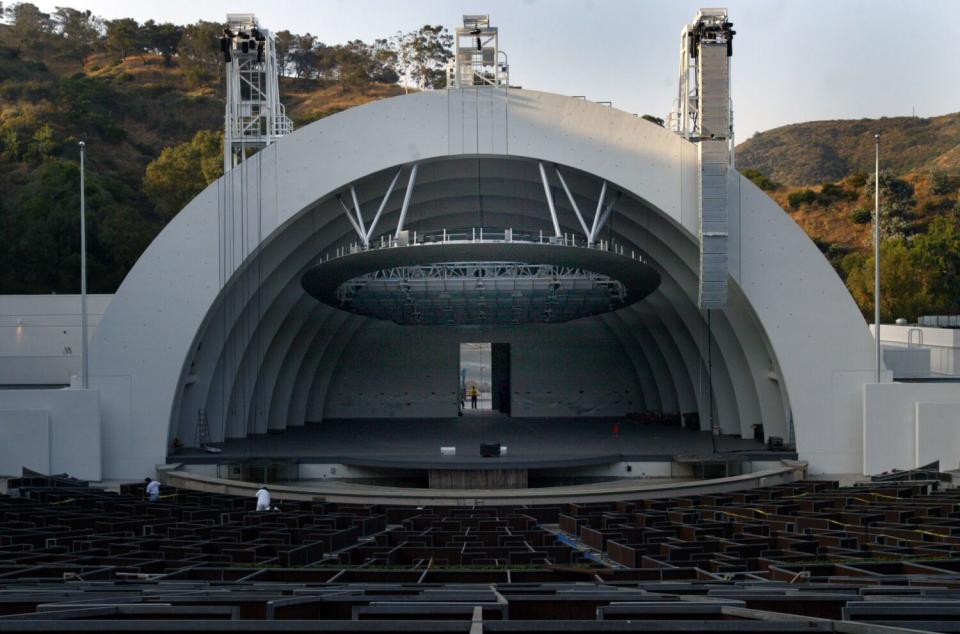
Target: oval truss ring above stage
481, 282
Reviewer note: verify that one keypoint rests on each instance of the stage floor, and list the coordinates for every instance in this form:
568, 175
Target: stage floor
531, 442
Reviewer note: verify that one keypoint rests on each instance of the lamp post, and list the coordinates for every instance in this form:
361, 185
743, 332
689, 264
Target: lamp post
876, 252
84, 381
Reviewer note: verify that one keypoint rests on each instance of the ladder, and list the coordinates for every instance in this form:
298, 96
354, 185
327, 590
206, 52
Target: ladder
203, 428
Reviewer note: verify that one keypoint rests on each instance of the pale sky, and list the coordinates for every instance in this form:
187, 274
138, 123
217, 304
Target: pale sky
794, 60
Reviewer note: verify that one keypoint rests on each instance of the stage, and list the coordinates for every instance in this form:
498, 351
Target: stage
532, 443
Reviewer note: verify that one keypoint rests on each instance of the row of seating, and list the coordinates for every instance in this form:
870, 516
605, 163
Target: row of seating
808, 555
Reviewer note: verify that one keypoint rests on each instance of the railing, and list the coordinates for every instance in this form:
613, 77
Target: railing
474, 235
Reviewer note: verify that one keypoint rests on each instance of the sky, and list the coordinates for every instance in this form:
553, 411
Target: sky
794, 60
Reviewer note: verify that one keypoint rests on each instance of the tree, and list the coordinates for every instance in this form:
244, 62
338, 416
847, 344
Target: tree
183, 171
199, 51
940, 183
901, 294
163, 39
303, 55
896, 201
938, 253
29, 26
422, 56
123, 37
283, 43
79, 30
11, 145
43, 143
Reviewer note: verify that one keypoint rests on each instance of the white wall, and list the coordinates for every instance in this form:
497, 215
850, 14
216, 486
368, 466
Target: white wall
906, 362
69, 419
909, 424
937, 435
24, 441
40, 337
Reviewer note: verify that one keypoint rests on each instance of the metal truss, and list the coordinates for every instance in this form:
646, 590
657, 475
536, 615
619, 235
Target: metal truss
401, 236
255, 118
478, 60
481, 293
710, 28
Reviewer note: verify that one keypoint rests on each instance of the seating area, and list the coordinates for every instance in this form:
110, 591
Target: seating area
807, 556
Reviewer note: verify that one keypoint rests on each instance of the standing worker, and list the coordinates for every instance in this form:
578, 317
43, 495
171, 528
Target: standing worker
616, 429
263, 499
153, 490
474, 393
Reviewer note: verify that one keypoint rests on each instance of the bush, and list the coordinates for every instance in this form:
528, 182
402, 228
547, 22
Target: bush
804, 196
941, 183
760, 179
857, 180
861, 216
831, 193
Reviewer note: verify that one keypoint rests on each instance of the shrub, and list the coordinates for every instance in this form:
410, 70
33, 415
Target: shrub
861, 216
941, 183
831, 193
804, 196
760, 179
858, 179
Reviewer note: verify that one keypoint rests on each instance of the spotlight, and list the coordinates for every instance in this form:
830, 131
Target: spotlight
225, 49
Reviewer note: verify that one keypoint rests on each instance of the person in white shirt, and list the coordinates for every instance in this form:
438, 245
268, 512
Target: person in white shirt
263, 499
153, 489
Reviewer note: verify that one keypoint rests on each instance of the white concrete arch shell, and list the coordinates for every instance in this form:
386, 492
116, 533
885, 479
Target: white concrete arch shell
213, 315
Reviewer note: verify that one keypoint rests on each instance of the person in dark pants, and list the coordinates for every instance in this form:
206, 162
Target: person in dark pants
474, 393
616, 429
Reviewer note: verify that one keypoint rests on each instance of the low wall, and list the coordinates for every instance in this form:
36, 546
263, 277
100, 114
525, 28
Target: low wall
50, 431
906, 425
634, 489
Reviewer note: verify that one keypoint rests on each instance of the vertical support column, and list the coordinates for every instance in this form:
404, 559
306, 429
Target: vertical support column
549, 195
407, 197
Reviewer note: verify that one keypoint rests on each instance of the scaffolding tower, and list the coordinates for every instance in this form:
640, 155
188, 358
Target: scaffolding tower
478, 60
255, 118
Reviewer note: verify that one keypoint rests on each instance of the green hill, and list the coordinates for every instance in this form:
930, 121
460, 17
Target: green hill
826, 151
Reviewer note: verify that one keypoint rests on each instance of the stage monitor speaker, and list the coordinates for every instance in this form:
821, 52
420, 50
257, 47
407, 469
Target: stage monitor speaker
775, 443
490, 450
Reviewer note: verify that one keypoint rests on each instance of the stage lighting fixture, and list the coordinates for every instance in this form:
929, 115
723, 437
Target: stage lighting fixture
225, 49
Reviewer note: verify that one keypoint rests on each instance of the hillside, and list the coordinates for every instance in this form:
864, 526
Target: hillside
128, 111
826, 151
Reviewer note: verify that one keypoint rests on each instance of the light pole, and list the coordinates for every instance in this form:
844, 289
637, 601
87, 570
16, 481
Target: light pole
876, 252
84, 381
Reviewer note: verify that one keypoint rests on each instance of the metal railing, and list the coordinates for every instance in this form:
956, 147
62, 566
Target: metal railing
473, 235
